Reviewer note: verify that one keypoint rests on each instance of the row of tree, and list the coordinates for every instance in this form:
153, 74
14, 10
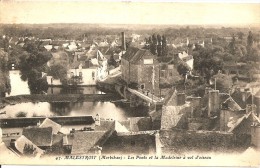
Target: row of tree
31, 60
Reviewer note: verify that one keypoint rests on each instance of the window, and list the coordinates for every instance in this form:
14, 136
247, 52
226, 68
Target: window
148, 61
72, 74
142, 86
80, 74
93, 75
163, 73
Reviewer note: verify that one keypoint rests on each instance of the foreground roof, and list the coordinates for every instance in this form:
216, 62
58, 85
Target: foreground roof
39, 136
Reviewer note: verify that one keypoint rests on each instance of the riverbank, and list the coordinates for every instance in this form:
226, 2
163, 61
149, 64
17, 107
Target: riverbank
57, 98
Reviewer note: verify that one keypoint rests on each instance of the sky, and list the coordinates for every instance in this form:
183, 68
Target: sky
126, 12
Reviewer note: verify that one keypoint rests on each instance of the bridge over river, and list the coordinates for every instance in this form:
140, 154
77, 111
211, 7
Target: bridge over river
59, 98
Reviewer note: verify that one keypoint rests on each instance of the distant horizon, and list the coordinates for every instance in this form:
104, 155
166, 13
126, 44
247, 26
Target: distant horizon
130, 13
131, 25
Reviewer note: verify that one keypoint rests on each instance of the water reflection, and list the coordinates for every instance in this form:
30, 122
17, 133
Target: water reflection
104, 109
73, 90
18, 86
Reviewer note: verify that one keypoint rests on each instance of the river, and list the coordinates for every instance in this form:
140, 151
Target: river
106, 110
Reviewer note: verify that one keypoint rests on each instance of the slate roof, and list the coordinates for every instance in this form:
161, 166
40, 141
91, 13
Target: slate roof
83, 142
134, 54
105, 125
57, 138
140, 124
244, 117
237, 96
49, 123
167, 60
171, 98
39, 136
232, 104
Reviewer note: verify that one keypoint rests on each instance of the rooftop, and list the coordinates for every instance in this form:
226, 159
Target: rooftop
83, 142
39, 136
49, 123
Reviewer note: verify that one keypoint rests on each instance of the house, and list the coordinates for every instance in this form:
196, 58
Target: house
90, 141
88, 67
187, 59
141, 68
26, 147
175, 111
168, 70
85, 142
49, 123
80, 75
41, 137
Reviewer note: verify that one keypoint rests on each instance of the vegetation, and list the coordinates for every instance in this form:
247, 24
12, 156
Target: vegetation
5, 85
32, 60
21, 114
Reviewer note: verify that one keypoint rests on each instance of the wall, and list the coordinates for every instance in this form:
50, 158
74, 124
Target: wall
213, 102
130, 144
141, 73
257, 103
149, 76
185, 141
195, 105
255, 136
87, 78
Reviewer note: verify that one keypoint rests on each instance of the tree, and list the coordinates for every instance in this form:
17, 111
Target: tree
240, 35
112, 61
159, 45
249, 42
153, 46
5, 85
32, 62
232, 45
58, 71
164, 46
223, 82
182, 69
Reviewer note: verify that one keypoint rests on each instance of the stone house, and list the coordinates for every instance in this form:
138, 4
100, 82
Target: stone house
140, 68
175, 111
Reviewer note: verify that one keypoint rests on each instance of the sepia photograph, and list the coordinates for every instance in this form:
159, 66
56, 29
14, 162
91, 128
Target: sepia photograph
133, 83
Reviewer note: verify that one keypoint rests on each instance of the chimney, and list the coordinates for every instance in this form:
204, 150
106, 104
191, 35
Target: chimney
213, 102
244, 96
207, 89
180, 99
97, 120
123, 41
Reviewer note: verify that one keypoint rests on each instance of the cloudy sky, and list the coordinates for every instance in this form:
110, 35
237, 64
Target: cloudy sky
188, 13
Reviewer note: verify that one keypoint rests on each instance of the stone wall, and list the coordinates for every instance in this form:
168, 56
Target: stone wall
178, 141
130, 144
255, 136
